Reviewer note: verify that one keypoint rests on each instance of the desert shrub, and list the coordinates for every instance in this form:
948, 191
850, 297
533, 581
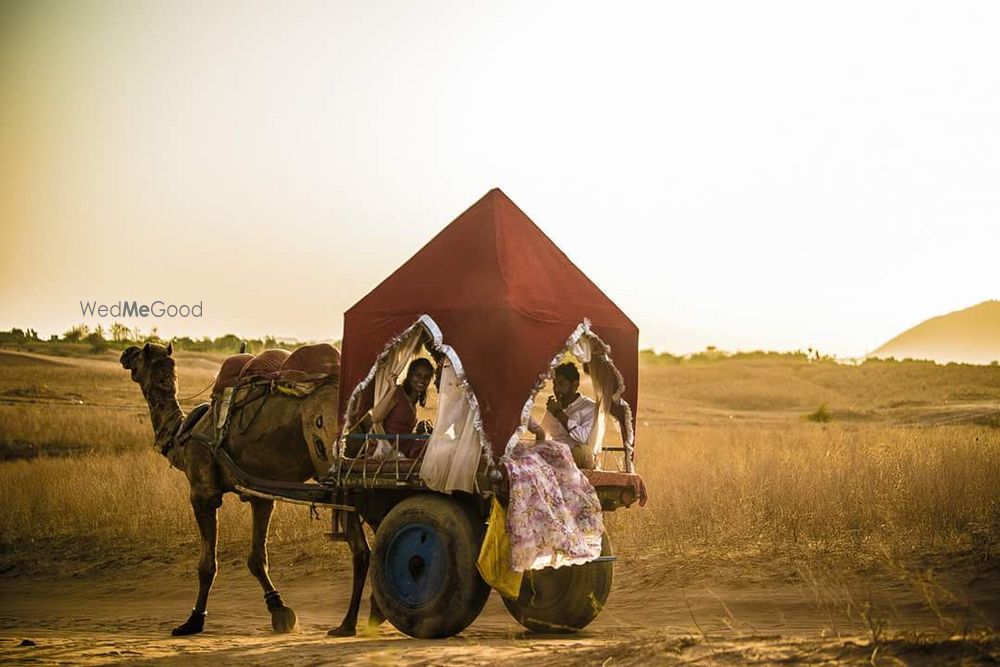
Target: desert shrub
651, 357
820, 415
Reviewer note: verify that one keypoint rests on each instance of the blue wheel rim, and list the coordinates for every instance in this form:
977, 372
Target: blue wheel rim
415, 563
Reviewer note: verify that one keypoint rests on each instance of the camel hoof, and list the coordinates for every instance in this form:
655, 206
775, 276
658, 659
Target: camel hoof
192, 626
283, 620
341, 631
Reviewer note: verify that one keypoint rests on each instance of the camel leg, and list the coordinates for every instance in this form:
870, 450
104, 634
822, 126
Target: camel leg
375, 615
282, 618
206, 514
360, 552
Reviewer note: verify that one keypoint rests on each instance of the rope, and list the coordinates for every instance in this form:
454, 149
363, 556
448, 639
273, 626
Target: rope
188, 398
262, 398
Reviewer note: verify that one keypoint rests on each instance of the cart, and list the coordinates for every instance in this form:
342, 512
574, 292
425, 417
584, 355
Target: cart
499, 304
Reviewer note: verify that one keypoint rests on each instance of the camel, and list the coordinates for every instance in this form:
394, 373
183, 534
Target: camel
272, 446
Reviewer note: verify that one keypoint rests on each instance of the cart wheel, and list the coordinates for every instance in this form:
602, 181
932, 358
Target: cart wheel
564, 599
424, 573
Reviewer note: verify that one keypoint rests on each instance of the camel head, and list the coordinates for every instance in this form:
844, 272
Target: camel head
151, 366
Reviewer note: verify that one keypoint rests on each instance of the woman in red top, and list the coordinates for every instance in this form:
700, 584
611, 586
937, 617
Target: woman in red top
402, 416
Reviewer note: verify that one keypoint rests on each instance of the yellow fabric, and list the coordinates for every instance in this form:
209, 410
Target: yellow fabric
494, 556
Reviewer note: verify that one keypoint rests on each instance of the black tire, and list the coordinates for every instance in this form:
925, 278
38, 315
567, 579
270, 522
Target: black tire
564, 599
424, 574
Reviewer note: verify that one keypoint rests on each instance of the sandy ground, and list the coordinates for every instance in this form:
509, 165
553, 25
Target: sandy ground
655, 615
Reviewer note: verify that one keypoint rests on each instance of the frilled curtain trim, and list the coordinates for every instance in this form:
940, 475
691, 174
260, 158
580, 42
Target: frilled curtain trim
427, 323
582, 330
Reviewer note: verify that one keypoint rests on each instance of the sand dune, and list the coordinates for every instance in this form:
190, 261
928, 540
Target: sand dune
970, 336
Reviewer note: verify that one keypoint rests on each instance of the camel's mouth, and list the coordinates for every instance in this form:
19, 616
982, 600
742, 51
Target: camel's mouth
128, 358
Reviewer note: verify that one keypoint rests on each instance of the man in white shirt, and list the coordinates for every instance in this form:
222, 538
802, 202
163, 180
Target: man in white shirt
569, 416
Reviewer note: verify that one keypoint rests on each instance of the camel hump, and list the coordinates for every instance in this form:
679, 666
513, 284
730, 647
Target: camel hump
310, 362
229, 373
266, 365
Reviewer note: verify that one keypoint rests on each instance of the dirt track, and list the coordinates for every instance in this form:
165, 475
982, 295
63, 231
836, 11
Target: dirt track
108, 617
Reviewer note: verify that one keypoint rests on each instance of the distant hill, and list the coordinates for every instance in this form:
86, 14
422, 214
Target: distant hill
969, 336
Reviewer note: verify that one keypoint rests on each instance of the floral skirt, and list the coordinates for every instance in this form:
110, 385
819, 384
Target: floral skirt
554, 517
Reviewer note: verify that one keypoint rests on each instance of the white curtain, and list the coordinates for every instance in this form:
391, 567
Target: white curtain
590, 351
387, 375
453, 452
605, 384
386, 379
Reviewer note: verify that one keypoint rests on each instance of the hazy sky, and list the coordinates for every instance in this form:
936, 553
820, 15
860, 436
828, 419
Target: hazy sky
745, 174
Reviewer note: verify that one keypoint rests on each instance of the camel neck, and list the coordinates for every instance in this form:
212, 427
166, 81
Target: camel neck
165, 413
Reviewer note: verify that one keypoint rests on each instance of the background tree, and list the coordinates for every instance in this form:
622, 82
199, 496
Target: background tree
96, 340
76, 334
119, 332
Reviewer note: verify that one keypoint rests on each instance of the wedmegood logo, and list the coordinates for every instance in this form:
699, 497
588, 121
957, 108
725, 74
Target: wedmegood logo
135, 309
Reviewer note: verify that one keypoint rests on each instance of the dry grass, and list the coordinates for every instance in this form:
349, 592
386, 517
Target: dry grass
854, 490
81, 405
119, 496
783, 384
126, 506
850, 491
777, 484
38, 428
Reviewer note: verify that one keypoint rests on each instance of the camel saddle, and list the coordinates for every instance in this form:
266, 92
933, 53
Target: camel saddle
190, 419
296, 372
229, 373
245, 379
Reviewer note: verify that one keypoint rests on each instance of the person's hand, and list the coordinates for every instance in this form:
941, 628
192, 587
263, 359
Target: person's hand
552, 405
535, 429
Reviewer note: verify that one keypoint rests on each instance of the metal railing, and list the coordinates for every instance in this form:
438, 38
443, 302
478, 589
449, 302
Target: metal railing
388, 469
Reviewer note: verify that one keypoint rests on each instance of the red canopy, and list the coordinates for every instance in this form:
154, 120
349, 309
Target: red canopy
505, 298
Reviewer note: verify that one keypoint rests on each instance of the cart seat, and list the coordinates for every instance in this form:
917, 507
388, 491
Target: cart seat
629, 486
614, 489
